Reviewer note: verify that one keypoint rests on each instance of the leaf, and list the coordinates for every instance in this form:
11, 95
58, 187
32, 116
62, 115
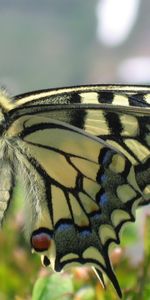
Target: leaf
54, 287
86, 293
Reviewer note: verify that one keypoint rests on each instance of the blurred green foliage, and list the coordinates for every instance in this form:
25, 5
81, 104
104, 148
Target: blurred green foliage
23, 278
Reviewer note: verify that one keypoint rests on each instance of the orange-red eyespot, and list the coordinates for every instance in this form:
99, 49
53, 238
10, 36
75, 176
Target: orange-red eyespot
41, 240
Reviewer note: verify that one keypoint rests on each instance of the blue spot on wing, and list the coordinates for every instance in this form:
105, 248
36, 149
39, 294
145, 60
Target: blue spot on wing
103, 199
85, 233
64, 226
104, 178
107, 157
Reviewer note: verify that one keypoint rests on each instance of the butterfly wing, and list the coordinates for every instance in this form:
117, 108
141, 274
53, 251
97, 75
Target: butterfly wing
87, 190
85, 154
120, 115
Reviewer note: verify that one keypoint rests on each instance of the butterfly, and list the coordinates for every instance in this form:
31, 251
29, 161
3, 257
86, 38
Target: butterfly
82, 158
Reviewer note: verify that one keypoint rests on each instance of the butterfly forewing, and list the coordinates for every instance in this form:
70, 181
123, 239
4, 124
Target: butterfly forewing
120, 115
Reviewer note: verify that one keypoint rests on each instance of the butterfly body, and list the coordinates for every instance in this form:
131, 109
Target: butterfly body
82, 156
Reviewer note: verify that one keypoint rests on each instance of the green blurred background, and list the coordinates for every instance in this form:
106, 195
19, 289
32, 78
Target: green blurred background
47, 44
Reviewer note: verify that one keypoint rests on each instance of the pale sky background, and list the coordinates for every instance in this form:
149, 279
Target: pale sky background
52, 43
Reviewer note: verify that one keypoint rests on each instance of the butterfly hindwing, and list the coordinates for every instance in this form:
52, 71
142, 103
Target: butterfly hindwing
88, 195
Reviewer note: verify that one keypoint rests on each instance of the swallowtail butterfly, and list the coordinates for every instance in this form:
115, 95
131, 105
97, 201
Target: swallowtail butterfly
82, 156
